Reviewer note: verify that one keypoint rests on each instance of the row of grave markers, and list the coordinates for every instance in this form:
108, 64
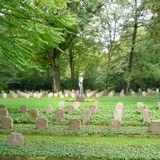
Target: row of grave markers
74, 124
146, 114
74, 93
42, 123
117, 116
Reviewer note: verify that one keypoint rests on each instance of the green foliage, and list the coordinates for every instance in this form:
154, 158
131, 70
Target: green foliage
31, 29
131, 117
25, 27
81, 150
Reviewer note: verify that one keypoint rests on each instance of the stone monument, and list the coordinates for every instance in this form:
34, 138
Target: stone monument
80, 97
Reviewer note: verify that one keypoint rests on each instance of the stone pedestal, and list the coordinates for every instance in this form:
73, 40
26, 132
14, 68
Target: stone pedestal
80, 99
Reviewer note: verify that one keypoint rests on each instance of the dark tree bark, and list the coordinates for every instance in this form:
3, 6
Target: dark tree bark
109, 66
131, 54
54, 55
71, 63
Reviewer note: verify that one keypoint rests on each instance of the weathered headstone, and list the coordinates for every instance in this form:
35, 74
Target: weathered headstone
59, 115
146, 115
41, 123
141, 106
48, 109
158, 105
34, 113
74, 124
16, 139
76, 105
122, 93
118, 113
4, 95
133, 93
93, 108
70, 109
111, 94
144, 94
7, 122
154, 126
23, 109
14, 95
115, 124
61, 105
61, 96
50, 95
119, 105
66, 95
55, 94
3, 112
86, 116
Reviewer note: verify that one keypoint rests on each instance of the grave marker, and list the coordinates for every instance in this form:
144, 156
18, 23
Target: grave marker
74, 124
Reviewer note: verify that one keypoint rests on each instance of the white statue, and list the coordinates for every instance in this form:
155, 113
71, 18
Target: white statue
81, 85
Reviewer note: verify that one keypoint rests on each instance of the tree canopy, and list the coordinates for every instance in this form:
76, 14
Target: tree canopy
114, 43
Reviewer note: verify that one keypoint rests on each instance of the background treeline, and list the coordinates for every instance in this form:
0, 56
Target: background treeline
46, 44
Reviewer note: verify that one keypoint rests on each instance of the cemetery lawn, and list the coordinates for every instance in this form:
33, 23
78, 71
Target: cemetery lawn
93, 141
90, 139
103, 101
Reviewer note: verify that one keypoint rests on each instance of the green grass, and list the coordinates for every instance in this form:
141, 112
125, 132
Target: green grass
91, 139
103, 101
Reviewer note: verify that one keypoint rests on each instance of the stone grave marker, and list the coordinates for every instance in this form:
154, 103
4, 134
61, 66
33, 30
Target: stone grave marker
93, 108
158, 105
122, 93
61, 105
59, 115
111, 94
55, 94
41, 123
115, 124
76, 105
70, 109
119, 105
4, 95
154, 126
133, 93
23, 109
118, 113
7, 122
48, 109
3, 112
86, 114
144, 93
141, 106
146, 115
50, 95
16, 139
34, 113
74, 124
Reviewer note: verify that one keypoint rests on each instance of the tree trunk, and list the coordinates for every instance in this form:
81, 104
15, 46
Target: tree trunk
54, 58
131, 55
108, 71
71, 57
109, 65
